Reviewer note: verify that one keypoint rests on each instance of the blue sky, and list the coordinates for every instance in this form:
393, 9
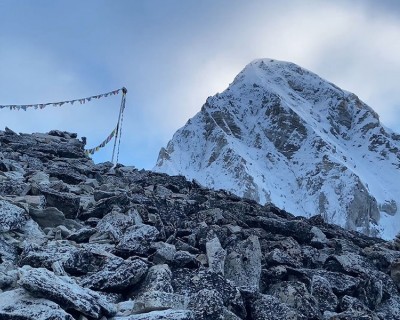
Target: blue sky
172, 55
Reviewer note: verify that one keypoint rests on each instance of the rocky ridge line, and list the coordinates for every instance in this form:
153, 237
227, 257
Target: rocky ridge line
80, 240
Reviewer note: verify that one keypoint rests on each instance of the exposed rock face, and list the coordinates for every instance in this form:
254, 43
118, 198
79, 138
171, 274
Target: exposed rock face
281, 134
148, 246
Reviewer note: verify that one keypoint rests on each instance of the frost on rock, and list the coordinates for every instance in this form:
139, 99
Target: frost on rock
64, 291
12, 217
117, 275
161, 315
243, 263
18, 304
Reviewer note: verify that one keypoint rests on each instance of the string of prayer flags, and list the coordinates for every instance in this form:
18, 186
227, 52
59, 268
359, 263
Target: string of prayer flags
103, 144
60, 103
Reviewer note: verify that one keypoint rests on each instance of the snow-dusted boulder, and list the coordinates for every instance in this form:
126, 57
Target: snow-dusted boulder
18, 304
12, 217
64, 291
117, 275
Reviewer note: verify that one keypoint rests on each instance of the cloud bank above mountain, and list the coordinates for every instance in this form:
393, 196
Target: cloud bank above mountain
171, 56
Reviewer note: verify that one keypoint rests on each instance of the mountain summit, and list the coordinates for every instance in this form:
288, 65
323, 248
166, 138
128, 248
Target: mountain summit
280, 133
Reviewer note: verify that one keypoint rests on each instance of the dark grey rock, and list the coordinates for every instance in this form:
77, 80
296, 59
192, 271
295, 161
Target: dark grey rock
137, 239
67, 203
158, 278
186, 281
296, 295
82, 235
83, 261
215, 255
158, 300
207, 304
390, 309
105, 206
266, 307
183, 259
340, 283
65, 292
348, 303
243, 263
8, 279
118, 275
12, 187
45, 254
161, 315
52, 217
322, 291
12, 217
115, 224
18, 304
165, 252
8, 252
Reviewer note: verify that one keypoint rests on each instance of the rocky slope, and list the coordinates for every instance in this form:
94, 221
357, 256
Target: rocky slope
282, 134
80, 240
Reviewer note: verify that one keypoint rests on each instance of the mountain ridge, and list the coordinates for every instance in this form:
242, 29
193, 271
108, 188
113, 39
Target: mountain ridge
281, 133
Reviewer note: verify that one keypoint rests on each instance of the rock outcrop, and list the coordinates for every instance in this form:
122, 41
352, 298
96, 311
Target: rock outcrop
144, 245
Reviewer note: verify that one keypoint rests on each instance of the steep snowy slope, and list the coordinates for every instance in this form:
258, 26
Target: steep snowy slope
282, 134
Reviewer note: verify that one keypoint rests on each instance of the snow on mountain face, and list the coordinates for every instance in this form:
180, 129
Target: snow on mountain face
284, 135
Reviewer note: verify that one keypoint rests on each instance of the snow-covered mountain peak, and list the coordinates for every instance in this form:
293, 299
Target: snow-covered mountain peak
281, 133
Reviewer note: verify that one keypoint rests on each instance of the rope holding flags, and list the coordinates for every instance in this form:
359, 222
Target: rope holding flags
115, 133
119, 125
103, 144
60, 103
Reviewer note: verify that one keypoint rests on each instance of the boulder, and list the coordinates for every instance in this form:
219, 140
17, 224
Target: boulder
137, 239
118, 275
83, 261
216, 255
18, 304
395, 272
115, 224
165, 252
52, 217
322, 291
158, 300
43, 255
67, 203
37, 202
8, 252
8, 279
105, 206
82, 235
158, 278
266, 307
243, 263
389, 309
161, 315
12, 217
207, 304
64, 291
184, 259
190, 282
295, 295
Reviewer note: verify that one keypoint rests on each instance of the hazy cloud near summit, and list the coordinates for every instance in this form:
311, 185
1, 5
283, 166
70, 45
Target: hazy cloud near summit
173, 55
